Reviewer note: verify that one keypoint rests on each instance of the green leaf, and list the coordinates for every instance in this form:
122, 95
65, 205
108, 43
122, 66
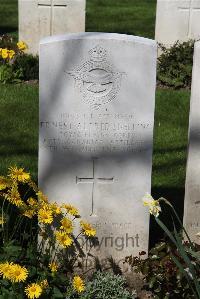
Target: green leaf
163, 226
57, 293
179, 265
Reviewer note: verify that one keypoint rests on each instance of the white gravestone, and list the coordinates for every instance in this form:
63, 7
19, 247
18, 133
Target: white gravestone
192, 186
96, 129
41, 18
177, 20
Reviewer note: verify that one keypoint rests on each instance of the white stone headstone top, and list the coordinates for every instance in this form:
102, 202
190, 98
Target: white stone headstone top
97, 93
192, 186
41, 18
177, 20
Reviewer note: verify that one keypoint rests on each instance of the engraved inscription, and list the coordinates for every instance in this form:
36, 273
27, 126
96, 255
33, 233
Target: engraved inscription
94, 180
97, 79
94, 133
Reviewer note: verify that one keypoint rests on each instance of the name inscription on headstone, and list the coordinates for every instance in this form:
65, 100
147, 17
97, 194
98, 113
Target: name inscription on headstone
96, 131
91, 133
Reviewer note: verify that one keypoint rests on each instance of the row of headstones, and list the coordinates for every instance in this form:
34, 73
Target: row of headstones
97, 96
175, 20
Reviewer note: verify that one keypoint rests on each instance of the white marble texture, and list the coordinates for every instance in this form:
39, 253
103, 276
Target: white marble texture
192, 185
96, 129
177, 20
41, 18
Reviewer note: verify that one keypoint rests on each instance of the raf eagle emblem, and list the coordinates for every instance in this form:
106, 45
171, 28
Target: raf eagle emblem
96, 79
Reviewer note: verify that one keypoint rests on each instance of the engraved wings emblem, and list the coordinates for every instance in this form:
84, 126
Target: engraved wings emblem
96, 79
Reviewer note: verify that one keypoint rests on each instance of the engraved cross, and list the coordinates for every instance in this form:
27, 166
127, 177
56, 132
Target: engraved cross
94, 180
191, 9
51, 4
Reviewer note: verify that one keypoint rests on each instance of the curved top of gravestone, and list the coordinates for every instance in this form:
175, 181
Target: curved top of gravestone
97, 35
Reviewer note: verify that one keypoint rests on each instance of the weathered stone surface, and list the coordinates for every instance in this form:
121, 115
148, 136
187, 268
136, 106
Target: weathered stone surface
96, 129
192, 186
41, 18
177, 20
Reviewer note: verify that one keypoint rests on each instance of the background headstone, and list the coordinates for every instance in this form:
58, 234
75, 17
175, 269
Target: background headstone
96, 129
192, 186
177, 20
41, 18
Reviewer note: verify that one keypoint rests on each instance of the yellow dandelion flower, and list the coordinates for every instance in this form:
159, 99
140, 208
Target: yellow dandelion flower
22, 46
18, 174
45, 206
66, 225
63, 239
55, 208
5, 270
4, 53
78, 284
18, 273
87, 229
1, 50
2, 220
14, 197
4, 183
45, 216
53, 267
11, 54
71, 209
154, 205
33, 290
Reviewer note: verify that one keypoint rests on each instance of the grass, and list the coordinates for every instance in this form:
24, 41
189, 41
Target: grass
169, 152
170, 138
9, 17
19, 132
135, 17
19, 127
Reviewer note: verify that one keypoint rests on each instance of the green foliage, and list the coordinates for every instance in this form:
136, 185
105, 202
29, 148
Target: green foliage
15, 65
106, 286
161, 273
172, 269
28, 65
186, 257
31, 236
10, 75
48, 261
175, 65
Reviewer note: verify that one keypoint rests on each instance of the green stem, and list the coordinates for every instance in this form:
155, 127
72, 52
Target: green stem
180, 222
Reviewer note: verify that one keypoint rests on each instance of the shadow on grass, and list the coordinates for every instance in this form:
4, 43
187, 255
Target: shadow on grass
176, 197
